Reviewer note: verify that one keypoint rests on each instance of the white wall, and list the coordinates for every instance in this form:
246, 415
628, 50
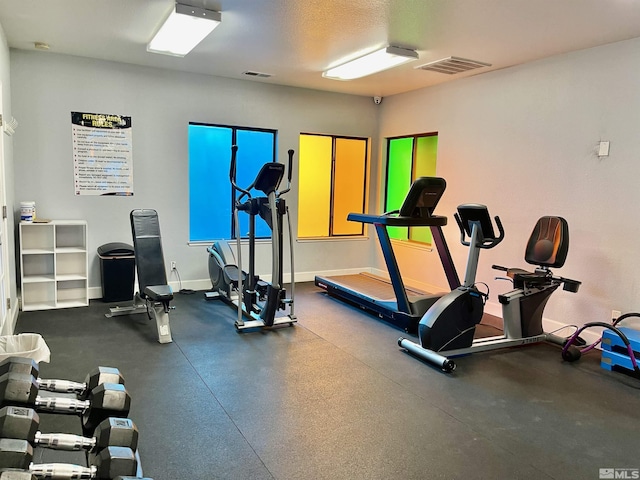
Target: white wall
7, 146
47, 87
523, 141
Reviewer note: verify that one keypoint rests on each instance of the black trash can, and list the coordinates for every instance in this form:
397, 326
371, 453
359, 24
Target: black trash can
117, 271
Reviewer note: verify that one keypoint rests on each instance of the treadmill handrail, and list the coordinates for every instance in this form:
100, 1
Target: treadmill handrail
398, 221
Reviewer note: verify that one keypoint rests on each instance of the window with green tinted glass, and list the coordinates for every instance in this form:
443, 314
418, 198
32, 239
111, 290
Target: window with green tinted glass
408, 158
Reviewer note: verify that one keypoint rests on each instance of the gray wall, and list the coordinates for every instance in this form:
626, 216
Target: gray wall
7, 146
523, 141
47, 87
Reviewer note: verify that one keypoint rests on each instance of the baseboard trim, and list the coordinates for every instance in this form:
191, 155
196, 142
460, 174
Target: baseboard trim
492, 308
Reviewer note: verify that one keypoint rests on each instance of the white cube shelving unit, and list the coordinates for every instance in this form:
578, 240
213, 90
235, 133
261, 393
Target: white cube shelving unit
54, 264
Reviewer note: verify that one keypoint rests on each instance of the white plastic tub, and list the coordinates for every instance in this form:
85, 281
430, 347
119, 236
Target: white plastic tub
29, 345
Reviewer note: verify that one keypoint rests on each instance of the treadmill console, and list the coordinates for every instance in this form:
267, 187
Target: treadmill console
423, 196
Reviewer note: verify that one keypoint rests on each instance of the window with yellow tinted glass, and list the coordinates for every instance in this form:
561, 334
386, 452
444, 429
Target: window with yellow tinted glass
332, 174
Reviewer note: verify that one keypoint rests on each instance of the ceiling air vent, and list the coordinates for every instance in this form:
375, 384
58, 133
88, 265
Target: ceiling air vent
257, 74
453, 65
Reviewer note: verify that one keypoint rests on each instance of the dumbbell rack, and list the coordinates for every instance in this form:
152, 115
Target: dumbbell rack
66, 423
614, 353
67, 458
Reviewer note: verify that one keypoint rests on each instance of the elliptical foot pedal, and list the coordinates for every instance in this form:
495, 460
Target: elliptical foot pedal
231, 275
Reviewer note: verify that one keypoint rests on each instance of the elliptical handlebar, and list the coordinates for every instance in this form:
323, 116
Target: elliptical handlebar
247, 191
289, 173
232, 174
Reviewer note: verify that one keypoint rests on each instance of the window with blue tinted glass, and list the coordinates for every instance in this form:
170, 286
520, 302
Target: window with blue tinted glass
255, 148
210, 192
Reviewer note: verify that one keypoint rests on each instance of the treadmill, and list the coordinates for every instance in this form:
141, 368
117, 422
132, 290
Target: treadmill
389, 299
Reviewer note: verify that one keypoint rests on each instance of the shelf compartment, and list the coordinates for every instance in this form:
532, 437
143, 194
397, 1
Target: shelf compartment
71, 236
71, 293
71, 264
38, 296
38, 265
36, 237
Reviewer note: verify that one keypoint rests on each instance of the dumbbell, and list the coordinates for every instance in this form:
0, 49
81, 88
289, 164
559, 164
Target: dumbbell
109, 463
22, 423
94, 378
106, 400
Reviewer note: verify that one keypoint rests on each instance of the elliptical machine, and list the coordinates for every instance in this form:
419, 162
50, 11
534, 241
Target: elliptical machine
450, 333
263, 303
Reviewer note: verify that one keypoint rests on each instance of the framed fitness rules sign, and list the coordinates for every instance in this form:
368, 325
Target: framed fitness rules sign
102, 154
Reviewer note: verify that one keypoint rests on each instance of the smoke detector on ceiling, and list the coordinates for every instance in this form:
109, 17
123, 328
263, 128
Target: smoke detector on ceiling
453, 65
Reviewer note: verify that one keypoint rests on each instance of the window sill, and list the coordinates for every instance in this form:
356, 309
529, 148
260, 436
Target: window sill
208, 243
356, 238
424, 247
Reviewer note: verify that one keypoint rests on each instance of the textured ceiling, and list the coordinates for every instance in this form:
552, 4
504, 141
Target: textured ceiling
295, 40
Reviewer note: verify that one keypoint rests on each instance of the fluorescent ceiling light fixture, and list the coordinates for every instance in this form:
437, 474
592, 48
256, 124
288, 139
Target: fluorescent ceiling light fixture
185, 28
374, 62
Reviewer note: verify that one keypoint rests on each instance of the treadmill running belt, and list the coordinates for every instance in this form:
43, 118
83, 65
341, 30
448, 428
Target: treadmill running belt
373, 286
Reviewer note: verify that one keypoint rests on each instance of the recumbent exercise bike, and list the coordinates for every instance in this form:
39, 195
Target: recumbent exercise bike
448, 328
264, 303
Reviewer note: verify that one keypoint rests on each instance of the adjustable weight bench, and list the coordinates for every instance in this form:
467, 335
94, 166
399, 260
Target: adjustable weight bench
154, 294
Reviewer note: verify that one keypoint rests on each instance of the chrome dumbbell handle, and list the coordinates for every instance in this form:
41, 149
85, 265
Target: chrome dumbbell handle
64, 441
62, 405
60, 471
62, 386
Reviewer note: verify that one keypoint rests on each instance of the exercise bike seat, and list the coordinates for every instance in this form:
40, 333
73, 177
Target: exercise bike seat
512, 272
531, 279
159, 293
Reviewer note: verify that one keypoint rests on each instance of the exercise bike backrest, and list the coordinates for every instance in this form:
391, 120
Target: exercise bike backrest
549, 243
547, 248
268, 178
471, 214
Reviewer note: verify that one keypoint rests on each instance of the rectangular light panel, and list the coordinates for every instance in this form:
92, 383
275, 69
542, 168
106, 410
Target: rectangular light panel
185, 28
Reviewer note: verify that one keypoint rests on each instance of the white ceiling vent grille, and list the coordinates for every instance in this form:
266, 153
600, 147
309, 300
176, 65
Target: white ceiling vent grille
453, 65
249, 73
